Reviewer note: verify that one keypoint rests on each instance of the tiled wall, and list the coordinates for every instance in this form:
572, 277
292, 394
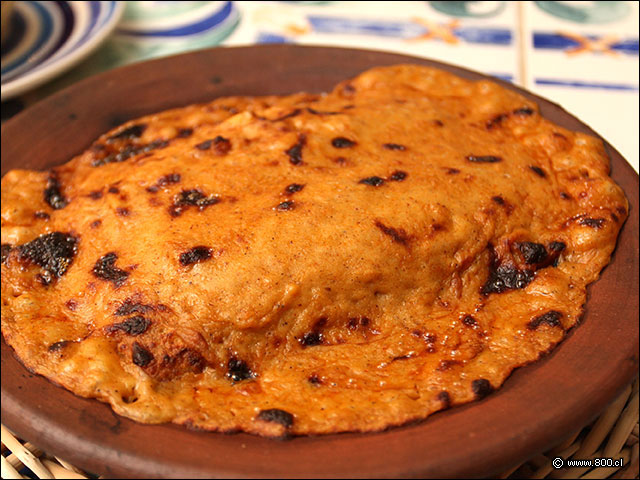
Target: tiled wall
582, 55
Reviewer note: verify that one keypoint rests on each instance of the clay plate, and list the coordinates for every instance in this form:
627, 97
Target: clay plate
538, 405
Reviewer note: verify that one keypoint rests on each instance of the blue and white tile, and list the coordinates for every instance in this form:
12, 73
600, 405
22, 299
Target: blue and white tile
414, 28
584, 56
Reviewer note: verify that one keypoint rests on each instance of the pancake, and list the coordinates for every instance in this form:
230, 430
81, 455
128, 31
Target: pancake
308, 264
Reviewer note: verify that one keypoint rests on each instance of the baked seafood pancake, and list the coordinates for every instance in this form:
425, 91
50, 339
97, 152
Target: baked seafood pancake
311, 263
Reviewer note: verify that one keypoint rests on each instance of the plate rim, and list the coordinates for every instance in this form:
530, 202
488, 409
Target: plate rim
147, 464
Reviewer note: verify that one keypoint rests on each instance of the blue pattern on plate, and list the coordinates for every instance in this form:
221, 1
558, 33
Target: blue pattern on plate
90, 30
203, 25
45, 28
503, 76
265, 37
66, 32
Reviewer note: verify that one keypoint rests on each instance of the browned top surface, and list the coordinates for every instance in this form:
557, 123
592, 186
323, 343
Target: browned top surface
444, 235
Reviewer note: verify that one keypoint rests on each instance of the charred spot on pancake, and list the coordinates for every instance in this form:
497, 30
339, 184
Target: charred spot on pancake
206, 145
498, 199
452, 171
184, 132
523, 111
314, 337
120, 155
481, 388
286, 205
45, 278
95, 195
98, 148
533, 253
131, 326
291, 114
53, 194
123, 211
469, 321
311, 339
113, 189
221, 145
313, 111
134, 131
403, 357
504, 276
427, 337
293, 188
131, 306
445, 399
445, 365
430, 337
397, 235
195, 255
372, 181
53, 252
57, 346
169, 179
592, 222
275, 415
314, 379
551, 318
483, 158
6, 250
71, 304
348, 89
342, 142
557, 246
95, 223
398, 176
105, 269
195, 360
565, 196
538, 171
140, 356
238, 370
357, 322
155, 145
41, 215
394, 146
191, 198
295, 152
496, 121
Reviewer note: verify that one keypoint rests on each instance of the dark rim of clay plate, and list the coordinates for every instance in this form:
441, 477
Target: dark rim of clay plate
539, 405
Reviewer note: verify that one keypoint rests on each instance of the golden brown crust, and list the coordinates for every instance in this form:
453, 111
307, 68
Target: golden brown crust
308, 264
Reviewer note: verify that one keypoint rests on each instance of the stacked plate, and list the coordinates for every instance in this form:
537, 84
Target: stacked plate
42, 39
151, 29
46, 38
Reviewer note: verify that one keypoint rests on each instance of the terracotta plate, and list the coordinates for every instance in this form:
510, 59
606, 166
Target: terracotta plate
537, 406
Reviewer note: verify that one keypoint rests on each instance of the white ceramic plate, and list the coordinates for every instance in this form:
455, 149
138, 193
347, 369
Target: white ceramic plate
47, 38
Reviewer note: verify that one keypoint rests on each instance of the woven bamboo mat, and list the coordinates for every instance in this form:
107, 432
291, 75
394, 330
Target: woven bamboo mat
614, 434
